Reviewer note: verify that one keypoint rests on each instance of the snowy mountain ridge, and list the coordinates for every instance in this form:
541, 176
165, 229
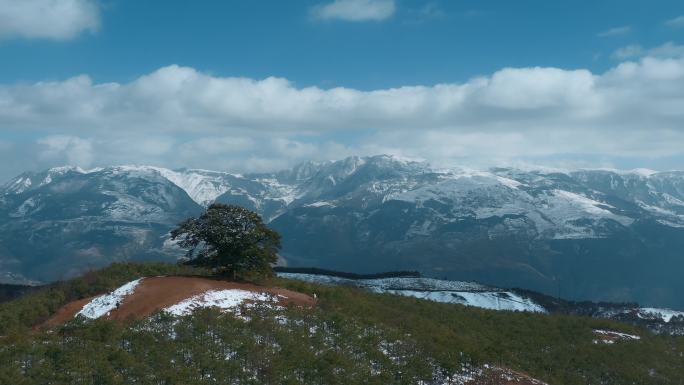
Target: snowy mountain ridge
504, 226
503, 191
559, 206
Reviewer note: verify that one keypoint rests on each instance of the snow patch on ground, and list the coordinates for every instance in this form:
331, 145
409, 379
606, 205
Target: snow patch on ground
396, 283
228, 300
104, 304
495, 300
464, 293
665, 314
610, 337
320, 204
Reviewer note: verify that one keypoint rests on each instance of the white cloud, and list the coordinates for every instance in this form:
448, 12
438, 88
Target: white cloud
354, 10
217, 146
47, 19
617, 31
180, 117
667, 50
66, 150
628, 52
677, 22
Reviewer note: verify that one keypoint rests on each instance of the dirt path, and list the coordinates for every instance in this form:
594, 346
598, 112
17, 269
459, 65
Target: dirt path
156, 293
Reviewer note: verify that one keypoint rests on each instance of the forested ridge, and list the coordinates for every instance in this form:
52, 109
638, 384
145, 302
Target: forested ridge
350, 337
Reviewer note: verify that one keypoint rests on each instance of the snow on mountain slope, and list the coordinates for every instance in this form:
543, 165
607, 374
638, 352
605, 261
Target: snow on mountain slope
492, 300
105, 303
465, 293
555, 208
655, 313
201, 185
504, 224
29, 180
485, 195
395, 283
574, 205
227, 300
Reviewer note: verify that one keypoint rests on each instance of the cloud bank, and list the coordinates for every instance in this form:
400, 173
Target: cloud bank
47, 19
354, 10
666, 50
677, 22
180, 117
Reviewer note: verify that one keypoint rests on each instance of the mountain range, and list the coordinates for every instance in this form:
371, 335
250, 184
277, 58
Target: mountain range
585, 234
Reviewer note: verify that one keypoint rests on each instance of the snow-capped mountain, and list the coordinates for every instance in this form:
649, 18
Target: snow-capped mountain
57, 223
600, 234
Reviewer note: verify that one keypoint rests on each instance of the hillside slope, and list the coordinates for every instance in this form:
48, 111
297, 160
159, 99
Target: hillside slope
349, 337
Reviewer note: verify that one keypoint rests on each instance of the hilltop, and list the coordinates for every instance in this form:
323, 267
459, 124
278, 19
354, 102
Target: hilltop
349, 336
177, 295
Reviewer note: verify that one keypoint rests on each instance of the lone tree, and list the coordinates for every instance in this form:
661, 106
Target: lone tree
229, 239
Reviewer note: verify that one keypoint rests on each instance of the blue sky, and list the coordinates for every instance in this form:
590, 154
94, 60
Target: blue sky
258, 85
423, 42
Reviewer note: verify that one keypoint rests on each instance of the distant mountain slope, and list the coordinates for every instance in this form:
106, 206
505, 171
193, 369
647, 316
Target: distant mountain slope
60, 222
592, 234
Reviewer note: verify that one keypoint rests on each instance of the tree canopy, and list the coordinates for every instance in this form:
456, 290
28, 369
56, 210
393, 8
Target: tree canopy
230, 239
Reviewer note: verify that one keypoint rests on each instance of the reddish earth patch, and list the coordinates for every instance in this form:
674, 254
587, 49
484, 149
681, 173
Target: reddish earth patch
503, 376
611, 337
156, 293
65, 313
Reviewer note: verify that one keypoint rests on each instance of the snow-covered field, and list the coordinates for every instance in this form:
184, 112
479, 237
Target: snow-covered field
104, 304
665, 314
465, 293
227, 300
611, 337
397, 283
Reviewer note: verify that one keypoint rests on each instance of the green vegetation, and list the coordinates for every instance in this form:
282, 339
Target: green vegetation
556, 348
351, 337
229, 239
21, 314
344, 274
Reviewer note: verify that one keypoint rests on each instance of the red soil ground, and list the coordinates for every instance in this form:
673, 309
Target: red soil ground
504, 376
156, 293
611, 337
